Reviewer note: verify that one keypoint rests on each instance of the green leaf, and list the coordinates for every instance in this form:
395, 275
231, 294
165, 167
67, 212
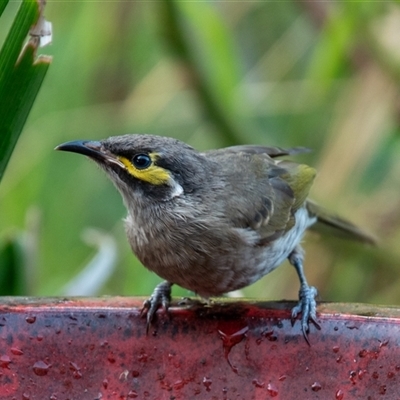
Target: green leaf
27, 15
21, 76
19, 93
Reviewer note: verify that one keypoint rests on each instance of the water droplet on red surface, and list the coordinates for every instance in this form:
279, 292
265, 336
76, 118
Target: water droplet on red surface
105, 383
384, 343
382, 389
111, 359
231, 339
16, 351
132, 394
207, 383
361, 373
25, 396
272, 390
77, 374
282, 378
179, 384
30, 319
76, 371
339, 394
40, 368
363, 353
53, 397
257, 383
390, 374
5, 361
353, 375
316, 387
165, 385
335, 349
73, 366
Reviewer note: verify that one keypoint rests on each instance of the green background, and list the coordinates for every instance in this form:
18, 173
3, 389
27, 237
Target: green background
324, 75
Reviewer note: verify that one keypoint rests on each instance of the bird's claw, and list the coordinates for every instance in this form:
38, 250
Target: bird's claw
307, 306
161, 297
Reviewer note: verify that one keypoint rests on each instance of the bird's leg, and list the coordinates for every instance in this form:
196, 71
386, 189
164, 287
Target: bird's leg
161, 297
307, 305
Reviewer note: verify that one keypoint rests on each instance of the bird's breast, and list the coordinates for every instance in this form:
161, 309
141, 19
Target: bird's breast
205, 259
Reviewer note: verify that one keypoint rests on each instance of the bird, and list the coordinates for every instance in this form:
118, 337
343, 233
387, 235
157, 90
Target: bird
216, 221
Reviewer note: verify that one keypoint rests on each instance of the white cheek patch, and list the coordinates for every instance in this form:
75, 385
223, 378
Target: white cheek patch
177, 189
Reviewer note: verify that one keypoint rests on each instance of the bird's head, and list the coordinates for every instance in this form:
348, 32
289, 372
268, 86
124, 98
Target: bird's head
145, 166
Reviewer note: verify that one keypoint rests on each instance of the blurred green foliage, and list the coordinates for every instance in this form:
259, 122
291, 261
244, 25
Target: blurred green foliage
319, 74
12, 273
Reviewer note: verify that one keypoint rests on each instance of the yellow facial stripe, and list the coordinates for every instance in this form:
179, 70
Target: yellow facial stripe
153, 174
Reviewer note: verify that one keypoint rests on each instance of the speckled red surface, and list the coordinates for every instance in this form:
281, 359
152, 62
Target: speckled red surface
98, 349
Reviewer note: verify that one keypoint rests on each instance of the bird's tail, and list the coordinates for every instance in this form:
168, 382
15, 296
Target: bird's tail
328, 222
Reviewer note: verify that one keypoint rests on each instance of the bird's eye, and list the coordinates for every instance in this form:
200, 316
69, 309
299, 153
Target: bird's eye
141, 161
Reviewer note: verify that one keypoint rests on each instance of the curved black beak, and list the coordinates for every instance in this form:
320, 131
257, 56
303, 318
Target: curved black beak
85, 147
92, 149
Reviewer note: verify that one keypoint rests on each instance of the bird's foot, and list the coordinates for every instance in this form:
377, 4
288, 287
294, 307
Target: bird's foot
307, 306
161, 297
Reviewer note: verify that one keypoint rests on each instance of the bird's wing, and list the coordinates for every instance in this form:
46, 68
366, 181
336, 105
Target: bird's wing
271, 191
294, 181
255, 149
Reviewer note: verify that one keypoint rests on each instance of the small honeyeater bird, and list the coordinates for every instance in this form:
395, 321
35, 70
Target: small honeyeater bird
215, 221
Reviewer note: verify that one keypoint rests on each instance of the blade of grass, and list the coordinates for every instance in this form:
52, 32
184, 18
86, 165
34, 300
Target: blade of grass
19, 95
21, 76
27, 15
